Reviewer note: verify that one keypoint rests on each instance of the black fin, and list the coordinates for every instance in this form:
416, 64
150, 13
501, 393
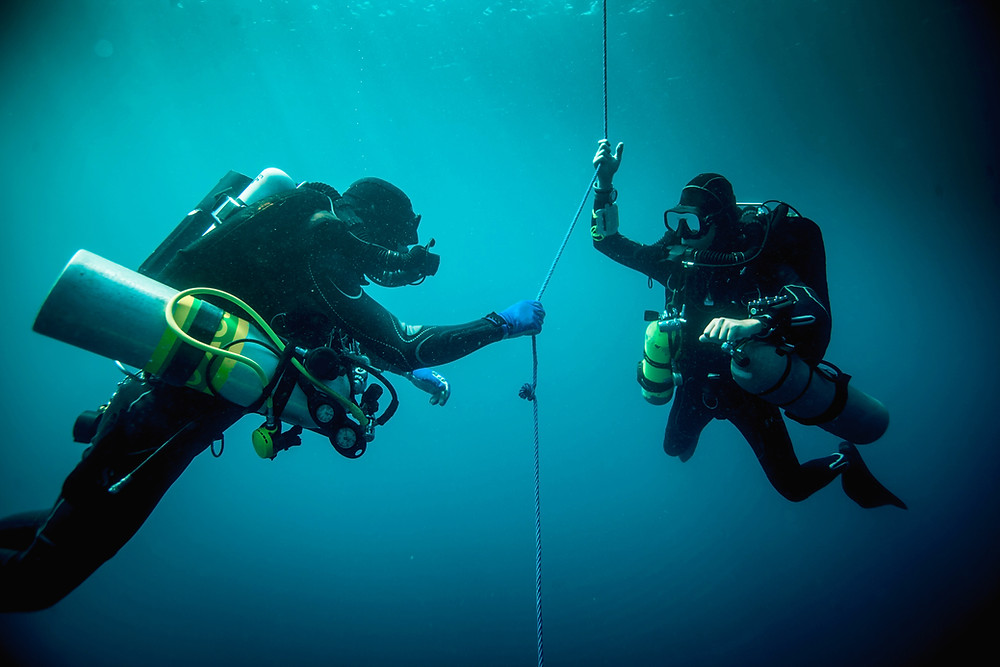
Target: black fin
860, 484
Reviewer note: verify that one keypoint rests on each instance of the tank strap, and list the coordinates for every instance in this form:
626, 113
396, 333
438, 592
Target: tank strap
840, 380
657, 364
649, 385
280, 387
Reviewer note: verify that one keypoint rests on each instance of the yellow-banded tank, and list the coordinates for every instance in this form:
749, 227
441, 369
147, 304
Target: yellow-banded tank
655, 372
107, 309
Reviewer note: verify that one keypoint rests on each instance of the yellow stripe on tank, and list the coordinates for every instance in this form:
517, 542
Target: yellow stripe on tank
185, 311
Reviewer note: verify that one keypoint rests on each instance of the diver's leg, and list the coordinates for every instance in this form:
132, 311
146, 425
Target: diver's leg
688, 418
93, 518
764, 429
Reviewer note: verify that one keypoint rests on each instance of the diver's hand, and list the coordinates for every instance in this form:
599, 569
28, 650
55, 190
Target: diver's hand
724, 329
524, 318
607, 163
432, 382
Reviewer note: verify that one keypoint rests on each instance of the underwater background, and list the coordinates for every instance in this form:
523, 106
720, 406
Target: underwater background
876, 119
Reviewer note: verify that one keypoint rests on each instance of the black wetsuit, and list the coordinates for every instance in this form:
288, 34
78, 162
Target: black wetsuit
290, 270
304, 278
708, 390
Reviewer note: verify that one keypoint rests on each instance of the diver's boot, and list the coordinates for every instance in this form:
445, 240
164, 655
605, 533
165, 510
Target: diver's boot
860, 484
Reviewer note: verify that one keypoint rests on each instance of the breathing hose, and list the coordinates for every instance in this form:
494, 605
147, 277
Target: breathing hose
348, 405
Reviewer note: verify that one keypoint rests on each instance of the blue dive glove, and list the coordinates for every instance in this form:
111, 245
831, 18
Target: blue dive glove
524, 318
426, 379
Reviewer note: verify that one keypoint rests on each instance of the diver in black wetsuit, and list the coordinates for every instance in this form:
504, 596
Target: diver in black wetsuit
300, 258
715, 261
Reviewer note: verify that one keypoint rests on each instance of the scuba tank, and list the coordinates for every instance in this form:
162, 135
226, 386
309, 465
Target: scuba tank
655, 373
214, 209
107, 309
814, 396
269, 182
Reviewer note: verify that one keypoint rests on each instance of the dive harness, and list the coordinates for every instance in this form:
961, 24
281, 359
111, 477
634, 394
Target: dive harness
349, 426
183, 340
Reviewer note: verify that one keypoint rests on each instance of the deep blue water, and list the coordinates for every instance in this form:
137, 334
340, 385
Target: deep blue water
876, 119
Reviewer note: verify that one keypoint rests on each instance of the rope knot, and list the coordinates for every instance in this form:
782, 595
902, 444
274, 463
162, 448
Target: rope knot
527, 392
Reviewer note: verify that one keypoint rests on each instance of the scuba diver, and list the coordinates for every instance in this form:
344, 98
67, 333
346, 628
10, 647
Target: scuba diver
301, 256
743, 333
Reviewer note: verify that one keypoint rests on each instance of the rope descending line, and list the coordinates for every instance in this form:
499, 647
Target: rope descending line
527, 390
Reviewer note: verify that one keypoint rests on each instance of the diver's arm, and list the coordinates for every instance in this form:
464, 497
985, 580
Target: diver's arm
723, 329
404, 347
794, 314
655, 261
767, 322
408, 347
795, 305
441, 344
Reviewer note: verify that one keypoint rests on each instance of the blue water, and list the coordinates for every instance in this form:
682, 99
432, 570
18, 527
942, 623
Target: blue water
876, 119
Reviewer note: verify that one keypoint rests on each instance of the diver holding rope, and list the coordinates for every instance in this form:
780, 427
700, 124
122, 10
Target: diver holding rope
300, 255
745, 325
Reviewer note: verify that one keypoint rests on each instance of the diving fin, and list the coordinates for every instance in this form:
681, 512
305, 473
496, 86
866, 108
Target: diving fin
860, 484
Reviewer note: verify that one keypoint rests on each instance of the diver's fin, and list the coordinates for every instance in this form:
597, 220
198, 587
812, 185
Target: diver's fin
860, 484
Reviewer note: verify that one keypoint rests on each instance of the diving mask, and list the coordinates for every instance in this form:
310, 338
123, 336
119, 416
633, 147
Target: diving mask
687, 224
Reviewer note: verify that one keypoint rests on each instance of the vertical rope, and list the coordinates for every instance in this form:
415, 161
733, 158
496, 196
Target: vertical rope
605, 69
569, 232
538, 510
528, 390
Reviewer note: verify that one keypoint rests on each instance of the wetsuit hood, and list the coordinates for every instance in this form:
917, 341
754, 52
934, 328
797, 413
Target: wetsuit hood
379, 212
711, 197
380, 215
